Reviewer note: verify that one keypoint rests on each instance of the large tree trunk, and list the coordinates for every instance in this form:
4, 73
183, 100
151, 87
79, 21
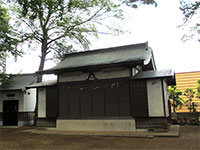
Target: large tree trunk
42, 59
39, 76
41, 67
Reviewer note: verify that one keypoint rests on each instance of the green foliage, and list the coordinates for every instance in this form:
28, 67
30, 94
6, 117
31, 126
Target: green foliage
175, 97
198, 89
8, 42
5, 78
191, 106
64, 22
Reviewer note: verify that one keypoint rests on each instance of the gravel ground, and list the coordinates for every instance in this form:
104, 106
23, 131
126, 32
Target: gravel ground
14, 138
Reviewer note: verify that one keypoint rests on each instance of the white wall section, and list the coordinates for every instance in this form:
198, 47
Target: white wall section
41, 102
30, 100
155, 98
104, 74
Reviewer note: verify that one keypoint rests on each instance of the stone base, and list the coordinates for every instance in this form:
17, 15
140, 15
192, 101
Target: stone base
46, 122
122, 125
153, 123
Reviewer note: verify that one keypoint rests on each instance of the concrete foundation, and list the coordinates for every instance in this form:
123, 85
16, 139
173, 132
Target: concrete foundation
96, 125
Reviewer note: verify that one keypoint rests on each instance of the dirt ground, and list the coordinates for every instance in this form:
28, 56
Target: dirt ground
14, 138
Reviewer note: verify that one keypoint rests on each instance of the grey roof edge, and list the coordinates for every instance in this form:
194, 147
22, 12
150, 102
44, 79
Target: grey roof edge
42, 84
55, 71
153, 74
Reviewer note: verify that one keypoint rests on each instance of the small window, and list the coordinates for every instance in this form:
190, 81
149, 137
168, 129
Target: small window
10, 95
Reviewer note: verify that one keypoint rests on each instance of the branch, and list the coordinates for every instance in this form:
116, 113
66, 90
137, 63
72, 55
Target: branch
41, 23
48, 17
34, 32
47, 52
78, 24
49, 59
52, 22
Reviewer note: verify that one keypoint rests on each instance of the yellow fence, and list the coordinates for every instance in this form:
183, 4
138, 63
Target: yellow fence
188, 80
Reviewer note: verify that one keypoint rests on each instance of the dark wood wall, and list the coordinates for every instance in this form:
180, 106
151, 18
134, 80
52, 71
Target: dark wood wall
51, 102
98, 99
139, 98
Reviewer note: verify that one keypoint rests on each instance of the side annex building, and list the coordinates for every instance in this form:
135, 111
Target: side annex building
17, 104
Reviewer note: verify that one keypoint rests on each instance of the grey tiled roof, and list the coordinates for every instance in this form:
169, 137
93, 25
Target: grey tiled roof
109, 56
19, 82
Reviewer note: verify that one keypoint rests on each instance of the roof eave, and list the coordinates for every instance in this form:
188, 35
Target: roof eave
21, 89
93, 67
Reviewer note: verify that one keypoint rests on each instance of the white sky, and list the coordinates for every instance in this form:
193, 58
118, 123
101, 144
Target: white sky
158, 26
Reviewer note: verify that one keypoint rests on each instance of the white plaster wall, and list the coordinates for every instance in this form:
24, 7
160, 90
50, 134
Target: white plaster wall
18, 96
155, 98
113, 73
166, 97
74, 76
41, 103
104, 74
30, 100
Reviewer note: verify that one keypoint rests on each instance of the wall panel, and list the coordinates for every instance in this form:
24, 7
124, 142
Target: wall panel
63, 102
139, 98
51, 102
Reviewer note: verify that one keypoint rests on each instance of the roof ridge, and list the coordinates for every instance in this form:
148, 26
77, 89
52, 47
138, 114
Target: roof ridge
115, 48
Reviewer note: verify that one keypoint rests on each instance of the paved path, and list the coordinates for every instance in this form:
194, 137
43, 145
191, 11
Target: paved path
173, 132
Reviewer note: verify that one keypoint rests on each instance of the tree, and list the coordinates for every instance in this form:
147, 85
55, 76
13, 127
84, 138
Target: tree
58, 25
189, 93
191, 12
175, 97
8, 43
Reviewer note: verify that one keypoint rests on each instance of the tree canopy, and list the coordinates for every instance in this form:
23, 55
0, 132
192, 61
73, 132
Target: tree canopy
191, 14
8, 42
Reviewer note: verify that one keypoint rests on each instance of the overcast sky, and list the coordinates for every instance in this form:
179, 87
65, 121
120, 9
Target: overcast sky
158, 26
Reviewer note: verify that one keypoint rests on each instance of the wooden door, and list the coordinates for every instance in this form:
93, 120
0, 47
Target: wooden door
10, 112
